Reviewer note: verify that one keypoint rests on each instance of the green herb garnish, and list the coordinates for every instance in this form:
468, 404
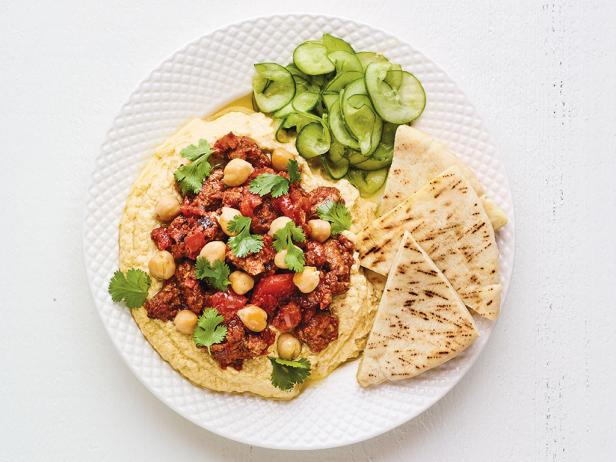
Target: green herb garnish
132, 287
269, 183
283, 240
243, 242
216, 275
210, 329
286, 374
293, 169
337, 214
190, 176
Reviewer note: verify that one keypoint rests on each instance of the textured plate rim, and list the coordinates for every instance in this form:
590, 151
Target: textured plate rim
463, 368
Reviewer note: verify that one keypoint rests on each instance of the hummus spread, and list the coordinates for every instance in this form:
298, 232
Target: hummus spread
355, 309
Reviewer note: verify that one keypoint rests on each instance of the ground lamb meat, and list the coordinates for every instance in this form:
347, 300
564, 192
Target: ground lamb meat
317, 196
193, 294
319, 331
240, 345
166, 303
262, 217
242, 147
181, 292
186, 236
208, 199
255, 263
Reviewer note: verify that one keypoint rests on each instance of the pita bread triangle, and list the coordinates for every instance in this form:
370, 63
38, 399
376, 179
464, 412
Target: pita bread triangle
419, 158
421, 321
447, 220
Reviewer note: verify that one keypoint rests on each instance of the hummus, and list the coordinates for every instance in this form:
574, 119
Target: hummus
355, 309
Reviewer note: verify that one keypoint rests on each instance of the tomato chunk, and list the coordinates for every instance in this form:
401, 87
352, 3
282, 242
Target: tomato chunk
227, 303
273, 291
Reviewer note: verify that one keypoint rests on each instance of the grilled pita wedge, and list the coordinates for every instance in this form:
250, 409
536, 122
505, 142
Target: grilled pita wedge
419, 158
447, 220
421, 321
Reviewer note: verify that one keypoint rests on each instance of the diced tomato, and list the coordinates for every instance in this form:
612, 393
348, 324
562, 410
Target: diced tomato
249, 203
194, 243
288, 317
293, 205
227, 303
273, 291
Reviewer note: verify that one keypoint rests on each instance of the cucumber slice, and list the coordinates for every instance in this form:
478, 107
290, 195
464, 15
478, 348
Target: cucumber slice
339, 129
369, 57
313, 140
342, 80
273, 86
299, 120
282, 136
368, 183
329, 99
336, 44
336, 152
335, 170
397, 95
384, 153
355, 157
311, 58
305, 101
363, 122
345, 62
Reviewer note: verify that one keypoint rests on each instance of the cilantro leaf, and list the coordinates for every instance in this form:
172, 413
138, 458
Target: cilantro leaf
216, 275
210, 329
190, 176
267, 183
194, 151
337, 214
293, 169
286, 374
132, 287
243, 242
283, 240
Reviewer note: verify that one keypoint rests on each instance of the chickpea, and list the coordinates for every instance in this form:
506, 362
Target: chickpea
278, 224
281, 158
185, 321
320, 230
162, 265
253, 317
307, 280
214, 251
237, 172
225, 218
167, 208
279, 259
288, 346
241, 282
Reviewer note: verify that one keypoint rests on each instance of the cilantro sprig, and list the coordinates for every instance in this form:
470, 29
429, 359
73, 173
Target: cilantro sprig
216, 275
283, 240
269, 183
243, 243
286, 374
276, 185
293, 169
337, 214
131, 288
210, 329
190, 176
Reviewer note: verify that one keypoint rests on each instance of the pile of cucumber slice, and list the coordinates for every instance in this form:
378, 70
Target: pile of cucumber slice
344, 107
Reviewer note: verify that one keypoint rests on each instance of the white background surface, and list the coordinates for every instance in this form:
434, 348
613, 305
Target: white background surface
542, 74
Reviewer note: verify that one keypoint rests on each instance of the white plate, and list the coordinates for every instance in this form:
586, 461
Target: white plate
207, 73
